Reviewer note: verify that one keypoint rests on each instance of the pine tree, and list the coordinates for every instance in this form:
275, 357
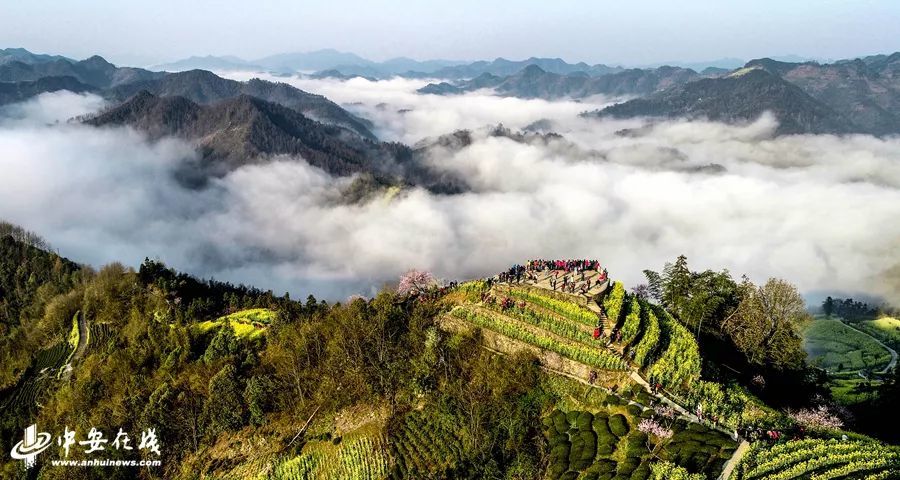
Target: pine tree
223, 409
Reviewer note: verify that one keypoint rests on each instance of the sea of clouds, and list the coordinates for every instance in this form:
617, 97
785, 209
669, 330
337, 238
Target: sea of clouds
820, 211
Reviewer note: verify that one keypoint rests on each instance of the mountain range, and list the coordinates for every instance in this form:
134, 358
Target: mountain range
244, 129
233, 123
327, 59
206, 87
535, 82
848, 96
348, 64
742, 96
331, 62
20, 81
24, 56
853, 96
13, 92
866, 90
94, 71
231, 131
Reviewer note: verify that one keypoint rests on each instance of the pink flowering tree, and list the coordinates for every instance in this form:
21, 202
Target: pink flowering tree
415, 282
653, 428
819, 418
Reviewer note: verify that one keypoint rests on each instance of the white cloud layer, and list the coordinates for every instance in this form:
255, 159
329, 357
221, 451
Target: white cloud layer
818, 210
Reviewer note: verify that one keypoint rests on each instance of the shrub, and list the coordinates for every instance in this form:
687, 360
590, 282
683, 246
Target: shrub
628, 466
632, 325
583, 421
618, 425
576, 452
613, 302
559, 421
670, 471
646, 347
679, 364
559, 460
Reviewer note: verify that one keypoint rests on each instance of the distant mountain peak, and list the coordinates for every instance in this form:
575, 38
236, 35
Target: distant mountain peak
532, 71
97, 61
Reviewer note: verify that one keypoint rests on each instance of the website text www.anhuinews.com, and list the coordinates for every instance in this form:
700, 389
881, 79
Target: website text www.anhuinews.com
106, 463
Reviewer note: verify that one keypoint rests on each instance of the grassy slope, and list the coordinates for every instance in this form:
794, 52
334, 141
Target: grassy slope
886, 327
249, 324
839, 349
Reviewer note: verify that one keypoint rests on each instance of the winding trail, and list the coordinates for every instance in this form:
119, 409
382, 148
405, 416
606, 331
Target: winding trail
83, 336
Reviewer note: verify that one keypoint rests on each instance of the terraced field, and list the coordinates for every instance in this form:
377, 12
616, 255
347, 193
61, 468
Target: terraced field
100, 337
420, 445
607, 444
647, 337
359, 456
543, 321
426, 446
44, 371
635, 336
838, 348
821, 459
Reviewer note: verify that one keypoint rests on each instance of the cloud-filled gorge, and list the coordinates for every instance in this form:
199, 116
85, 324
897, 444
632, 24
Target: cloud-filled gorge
819, 210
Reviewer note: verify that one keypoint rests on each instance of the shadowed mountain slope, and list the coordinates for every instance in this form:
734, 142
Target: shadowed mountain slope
205, 87
739, 97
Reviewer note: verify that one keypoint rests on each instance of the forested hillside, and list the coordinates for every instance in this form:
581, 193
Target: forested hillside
550, 371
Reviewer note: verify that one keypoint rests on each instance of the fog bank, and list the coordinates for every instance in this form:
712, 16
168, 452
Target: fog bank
818, 210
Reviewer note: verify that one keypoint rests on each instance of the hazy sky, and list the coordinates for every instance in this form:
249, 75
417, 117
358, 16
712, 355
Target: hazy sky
629, 32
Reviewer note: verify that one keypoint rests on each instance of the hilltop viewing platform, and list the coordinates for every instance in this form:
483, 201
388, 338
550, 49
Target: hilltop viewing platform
587, 278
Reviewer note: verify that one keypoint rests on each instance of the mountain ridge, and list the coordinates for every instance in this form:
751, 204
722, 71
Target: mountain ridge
206, 87
245, 130
742, 96
535, 82
13, 92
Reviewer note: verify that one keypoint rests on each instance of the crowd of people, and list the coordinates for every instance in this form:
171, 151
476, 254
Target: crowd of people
568, 276
516, 274
575, 284
540, 265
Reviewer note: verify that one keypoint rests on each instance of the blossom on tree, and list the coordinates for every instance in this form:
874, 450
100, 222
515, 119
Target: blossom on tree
820, 417
414, 282
652, 427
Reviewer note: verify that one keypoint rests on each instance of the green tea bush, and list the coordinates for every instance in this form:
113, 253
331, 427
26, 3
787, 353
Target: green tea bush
614, 301
632, 325
618, 425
